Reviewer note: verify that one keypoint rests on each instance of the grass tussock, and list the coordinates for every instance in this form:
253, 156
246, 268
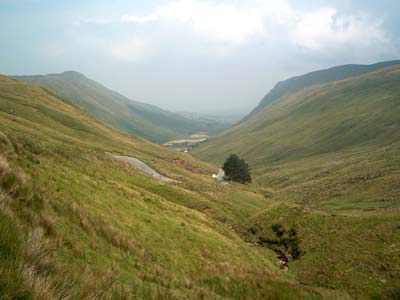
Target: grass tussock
29, 267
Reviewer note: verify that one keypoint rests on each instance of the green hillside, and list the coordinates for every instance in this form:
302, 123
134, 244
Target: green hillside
76, 224
324, 119
140, 119
298, 83
329, 157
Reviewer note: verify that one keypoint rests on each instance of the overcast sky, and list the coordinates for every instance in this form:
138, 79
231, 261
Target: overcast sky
194, 55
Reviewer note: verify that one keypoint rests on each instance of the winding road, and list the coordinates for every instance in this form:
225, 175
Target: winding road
142, 167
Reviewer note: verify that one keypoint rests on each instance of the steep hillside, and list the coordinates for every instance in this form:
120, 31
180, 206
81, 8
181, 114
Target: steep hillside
361, 111
329, 158
77, 224
140, 119
298, 83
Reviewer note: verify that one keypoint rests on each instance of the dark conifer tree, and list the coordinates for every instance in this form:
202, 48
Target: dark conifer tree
237, 169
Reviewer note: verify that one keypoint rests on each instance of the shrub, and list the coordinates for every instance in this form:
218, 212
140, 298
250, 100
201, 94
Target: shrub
278, 229
288, 239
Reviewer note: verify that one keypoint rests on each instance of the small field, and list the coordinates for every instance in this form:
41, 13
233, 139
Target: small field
188, 143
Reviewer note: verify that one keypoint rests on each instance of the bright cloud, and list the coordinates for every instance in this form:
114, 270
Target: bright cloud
236, 22
223, 27
221, 22
327, 28
312, 28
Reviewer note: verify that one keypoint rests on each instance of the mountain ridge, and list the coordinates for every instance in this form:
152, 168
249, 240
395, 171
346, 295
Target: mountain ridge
299, 82
301, 108
138, 118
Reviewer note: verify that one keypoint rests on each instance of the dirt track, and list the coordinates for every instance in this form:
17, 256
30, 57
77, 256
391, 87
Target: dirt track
142, 167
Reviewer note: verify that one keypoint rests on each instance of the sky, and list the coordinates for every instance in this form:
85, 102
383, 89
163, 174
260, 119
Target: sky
204, 56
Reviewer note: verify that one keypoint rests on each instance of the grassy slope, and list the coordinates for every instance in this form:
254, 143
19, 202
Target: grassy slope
298, 83
77, 225
329, 157
319, 120
358, 252
144, 120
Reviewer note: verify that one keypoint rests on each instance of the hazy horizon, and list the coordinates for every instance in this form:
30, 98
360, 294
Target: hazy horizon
198, 56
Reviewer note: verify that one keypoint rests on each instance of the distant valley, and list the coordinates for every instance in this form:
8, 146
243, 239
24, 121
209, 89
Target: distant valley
137, 118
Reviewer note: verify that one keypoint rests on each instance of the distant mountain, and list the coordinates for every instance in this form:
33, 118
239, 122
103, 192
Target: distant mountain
298, 83
144, 120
